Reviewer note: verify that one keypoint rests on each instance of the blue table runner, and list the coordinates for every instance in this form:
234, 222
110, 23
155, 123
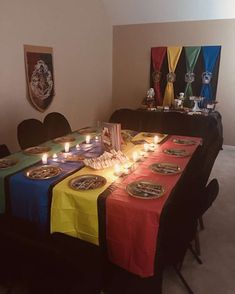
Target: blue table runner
30, 199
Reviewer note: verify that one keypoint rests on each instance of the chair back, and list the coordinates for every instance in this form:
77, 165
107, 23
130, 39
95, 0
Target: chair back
56, 125
208, 196
31, 132
4, 151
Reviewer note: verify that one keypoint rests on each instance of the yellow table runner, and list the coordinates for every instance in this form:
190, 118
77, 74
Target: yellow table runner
75, 213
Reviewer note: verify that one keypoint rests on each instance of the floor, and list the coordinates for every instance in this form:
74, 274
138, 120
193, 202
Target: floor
217, 273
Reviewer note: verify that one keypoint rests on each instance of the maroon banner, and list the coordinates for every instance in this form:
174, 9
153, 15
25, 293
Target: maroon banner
158, 55
39, 76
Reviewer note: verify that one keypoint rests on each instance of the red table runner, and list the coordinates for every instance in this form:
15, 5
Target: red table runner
132, 223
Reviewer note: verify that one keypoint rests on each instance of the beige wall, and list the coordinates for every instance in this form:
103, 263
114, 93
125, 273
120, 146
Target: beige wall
81, 36
131, 61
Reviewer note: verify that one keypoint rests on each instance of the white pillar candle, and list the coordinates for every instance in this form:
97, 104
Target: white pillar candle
44, 158
78, 147
66, 147
88, 139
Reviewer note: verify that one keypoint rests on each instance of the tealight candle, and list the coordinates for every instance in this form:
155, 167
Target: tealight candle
155, 139
117, 170
126, 166
66, 147
146, 147
96, 138
142, 153
54, 156
152, 147
44, 158
88, 139
135, 156
126, 169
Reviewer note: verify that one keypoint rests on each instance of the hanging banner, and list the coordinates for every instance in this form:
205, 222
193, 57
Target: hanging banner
210, 56
173, 55
157, 55
191, 57
39, 76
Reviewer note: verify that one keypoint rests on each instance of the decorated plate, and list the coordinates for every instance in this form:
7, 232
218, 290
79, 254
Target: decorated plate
87, 130
87, 182
145, 189
37, 150
184, 141
165, 168
64, 139
176, 152
43, 172
7, 162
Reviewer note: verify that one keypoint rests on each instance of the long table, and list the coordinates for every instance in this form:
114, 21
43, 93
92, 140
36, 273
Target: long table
131, 224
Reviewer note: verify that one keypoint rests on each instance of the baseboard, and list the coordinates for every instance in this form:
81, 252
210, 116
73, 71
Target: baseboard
229, 147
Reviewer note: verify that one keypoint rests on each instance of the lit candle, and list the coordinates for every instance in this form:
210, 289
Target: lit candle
54, 157
66, 147
44, 158
126, 169
152, 147
155, 139
135, 156
77, 146
96, 138
142, 153
117, 170
146, 147
126, 166
88, 139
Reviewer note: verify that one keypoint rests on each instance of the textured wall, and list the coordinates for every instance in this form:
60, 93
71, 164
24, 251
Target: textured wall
131, 60
81, 36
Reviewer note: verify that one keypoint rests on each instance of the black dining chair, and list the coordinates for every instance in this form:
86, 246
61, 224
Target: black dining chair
47, 264
4, 151
206, 199
31, 132
56, 125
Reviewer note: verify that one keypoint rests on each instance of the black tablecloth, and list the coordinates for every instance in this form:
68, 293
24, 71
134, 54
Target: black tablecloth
207, 126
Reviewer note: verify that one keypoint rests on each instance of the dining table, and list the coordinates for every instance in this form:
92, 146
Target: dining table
118, 206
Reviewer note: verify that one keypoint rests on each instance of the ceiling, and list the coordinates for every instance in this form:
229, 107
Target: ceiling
122, 12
